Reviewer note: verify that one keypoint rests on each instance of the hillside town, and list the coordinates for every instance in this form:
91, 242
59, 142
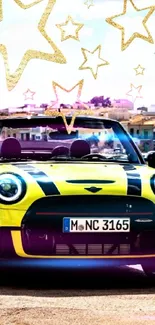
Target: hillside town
140, 123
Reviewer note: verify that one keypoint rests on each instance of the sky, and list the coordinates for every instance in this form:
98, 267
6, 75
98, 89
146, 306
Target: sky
72, 79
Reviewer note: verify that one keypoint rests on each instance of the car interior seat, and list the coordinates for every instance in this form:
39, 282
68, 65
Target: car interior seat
60, 151
79, 148
10, 148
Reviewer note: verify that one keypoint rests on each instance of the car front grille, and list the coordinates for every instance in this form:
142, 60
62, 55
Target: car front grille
93, 249
42, 226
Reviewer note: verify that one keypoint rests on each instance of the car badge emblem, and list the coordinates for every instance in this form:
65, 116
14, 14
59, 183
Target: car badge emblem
93, 189
81, 228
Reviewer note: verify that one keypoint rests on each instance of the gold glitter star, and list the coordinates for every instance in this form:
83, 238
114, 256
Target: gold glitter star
76, 113
69, 127
89, 3
147, 38
20, 4
139, 70
69, 28
55, 86
29, 94
134, 92
57, 56
79, 85
100, 63
26, 6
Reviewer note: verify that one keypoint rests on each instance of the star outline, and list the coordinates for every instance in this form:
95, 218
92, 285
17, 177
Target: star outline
98, 48
139, 88
142, 70
79, 26
135, 35
55, 85
91, 4
30, 92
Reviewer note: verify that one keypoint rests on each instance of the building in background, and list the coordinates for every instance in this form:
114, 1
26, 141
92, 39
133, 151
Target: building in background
122, 103
140, 125
151, 108
119, 114
142, 130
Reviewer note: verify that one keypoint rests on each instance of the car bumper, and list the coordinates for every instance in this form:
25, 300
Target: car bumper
13, 256
41, 242
69, 264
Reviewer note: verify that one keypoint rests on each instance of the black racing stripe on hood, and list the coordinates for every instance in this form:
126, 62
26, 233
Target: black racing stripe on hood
45, 183
134, 186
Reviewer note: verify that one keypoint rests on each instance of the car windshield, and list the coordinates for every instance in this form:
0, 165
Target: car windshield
48, 138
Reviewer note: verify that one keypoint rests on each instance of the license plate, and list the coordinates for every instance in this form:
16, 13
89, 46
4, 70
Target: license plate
96, 225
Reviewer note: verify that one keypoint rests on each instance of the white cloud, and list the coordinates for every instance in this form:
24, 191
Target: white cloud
86, 31
101, 10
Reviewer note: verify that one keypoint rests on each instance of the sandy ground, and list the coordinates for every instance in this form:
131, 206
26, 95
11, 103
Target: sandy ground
124, 296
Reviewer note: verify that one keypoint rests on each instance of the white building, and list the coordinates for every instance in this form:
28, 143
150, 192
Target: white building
151, 108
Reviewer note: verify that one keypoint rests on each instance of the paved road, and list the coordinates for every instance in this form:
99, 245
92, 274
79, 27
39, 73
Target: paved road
122, 297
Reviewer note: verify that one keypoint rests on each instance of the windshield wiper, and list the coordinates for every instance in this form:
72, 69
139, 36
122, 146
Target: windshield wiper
11, 160
61, 158
124, 158
118, 156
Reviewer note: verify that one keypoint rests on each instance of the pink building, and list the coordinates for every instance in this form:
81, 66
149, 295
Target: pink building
122, 103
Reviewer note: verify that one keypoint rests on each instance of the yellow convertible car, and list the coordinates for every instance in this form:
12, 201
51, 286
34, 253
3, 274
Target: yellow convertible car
80, 199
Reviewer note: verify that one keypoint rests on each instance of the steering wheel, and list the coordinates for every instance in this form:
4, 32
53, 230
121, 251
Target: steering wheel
91, 156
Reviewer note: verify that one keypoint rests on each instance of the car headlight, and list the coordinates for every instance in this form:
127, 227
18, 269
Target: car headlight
12, 188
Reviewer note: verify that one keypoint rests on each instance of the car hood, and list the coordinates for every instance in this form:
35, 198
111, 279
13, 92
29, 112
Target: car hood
46, 179
89, 178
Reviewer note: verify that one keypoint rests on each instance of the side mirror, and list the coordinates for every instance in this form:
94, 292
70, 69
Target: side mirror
151, 159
